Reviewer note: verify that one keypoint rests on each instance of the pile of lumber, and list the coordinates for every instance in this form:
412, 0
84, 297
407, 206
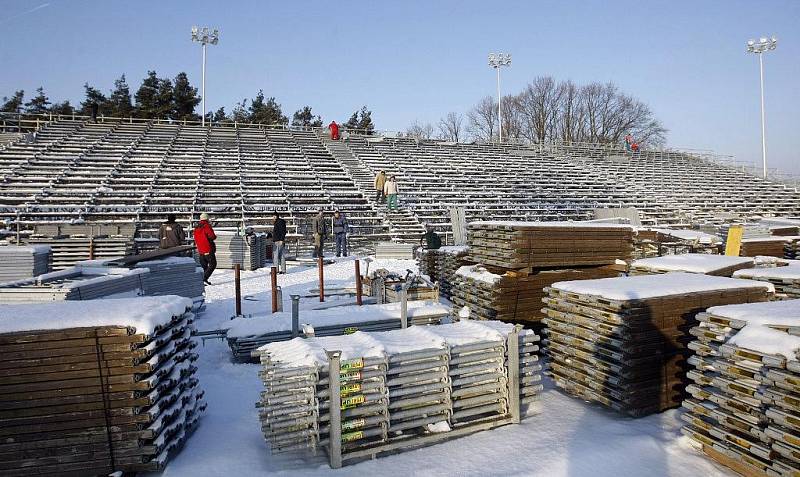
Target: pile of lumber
718, 265
769, 246
441, 266
69, 250
77, 283
248, 251
517, 245
650, 242
20, 262
398, 389
394, 251
791, 249
786, 280
785, 230
745, 396
622, 342
96, 387
427, 261
513, 297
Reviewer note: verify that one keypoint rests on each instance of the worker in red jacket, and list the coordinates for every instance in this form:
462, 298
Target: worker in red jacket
334, 130
204, 237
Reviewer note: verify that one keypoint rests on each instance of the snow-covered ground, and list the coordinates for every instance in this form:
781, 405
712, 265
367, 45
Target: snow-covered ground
563, 436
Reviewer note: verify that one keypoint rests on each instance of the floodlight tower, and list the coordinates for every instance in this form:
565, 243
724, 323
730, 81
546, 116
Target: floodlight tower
204, 36
496, 61
759, 47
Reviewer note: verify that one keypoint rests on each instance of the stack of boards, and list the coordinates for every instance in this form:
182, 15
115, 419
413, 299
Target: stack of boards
622, 342
786, 280
394, 386
20, 262
745, 399
69, 250
96, 387
513, 297
791, 249
516, 245
76, 283
441, 266
768, 246
249, 251
717, 265
395, 251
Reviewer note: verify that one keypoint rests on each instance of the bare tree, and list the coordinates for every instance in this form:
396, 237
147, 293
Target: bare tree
513, 119
451, 127
420, 131
482, 120
539, 104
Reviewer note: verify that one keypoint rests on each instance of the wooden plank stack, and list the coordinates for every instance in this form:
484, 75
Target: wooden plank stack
517, 245
786, 280
451, 258
717, 265
96, 387
769, 246
745, 396
511, 296
622, 342
791, 249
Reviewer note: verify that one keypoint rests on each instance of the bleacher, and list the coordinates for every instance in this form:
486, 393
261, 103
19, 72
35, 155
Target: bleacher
74, 171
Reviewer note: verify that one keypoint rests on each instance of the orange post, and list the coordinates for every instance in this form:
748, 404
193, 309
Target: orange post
274, 276
358, 282
237, 271
321, 279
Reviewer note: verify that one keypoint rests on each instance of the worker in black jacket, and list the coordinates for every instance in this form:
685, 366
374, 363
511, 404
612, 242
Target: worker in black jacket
171, 234
279, 242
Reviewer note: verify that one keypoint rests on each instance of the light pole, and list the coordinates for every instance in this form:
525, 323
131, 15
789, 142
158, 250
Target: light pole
204, 36
759, 47
496, 61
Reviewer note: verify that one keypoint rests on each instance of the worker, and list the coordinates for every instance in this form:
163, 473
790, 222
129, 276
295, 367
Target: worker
319, 229
390, 189
431, 240
380, 181
340, 228
628, 142
204, 237
94, 108
171, 234
278, 242
334, 130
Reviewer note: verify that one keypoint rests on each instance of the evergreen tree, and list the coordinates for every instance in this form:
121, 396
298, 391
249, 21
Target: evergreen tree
146, 106
63, 108
365, 121
185, 98
120, 99
165, 99
268, 112
219, 115
93, 95
239, 113
305, 118
14, 103
38, 104
352, 123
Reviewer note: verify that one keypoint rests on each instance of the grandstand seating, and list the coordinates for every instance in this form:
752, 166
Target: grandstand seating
136, 172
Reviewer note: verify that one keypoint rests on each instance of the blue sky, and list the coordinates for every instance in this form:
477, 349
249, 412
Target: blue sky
418, 60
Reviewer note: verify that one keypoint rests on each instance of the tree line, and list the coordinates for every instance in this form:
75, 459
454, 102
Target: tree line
176, 99
547, 110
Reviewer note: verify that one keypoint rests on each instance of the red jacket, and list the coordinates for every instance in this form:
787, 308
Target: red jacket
204, 237
334, 130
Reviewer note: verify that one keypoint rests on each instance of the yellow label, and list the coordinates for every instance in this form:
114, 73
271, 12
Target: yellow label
351, 376
734, 243
350, 330
353, 401
352, 436
356, 424
352, 364
350, 389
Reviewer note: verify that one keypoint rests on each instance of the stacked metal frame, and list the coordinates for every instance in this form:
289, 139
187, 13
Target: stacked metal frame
19, 262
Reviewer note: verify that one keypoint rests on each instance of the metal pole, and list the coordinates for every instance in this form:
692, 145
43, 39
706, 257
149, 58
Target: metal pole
295, 316
274, 279
358, 283
763, 128
203, 118
512, 361
321, 279
403, 307
335, 409
499, 111
237, 270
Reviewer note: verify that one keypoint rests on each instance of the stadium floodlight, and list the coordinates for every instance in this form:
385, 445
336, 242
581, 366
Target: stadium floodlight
204, 36
496, 61
759, 47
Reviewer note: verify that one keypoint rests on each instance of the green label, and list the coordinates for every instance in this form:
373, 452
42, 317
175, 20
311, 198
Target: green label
350, 330
356, 424
352, 364
351, 376
350, 389
353, 401
352, 436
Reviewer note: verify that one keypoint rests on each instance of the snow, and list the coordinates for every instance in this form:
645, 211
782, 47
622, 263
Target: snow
554, 224
652, 286
300, 352
479, 273
691, 235
693, 262
34, 249
757, 334
564, 437
766, 239
454, 249
792, 272
145, 314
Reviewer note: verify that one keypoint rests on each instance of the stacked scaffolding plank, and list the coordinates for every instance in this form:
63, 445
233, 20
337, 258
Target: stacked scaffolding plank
451, 258
249, 251
19, 262
69, 250
517, 245
745, 398
622, 342
78, 283
717, 265
769, 246
395, 390
96, 387
791, 249
786, 280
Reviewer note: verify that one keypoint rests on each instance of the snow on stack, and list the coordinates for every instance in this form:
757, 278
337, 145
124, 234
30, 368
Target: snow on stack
718, 265
19, 263
395, 387
622, 342
785, 279
75, 284
450, 260
69, 250
769, 246
96, 387
745, 398
394, 251
246, 334
515, 245
249, 251
513, 296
